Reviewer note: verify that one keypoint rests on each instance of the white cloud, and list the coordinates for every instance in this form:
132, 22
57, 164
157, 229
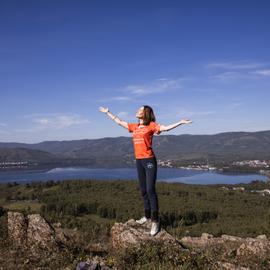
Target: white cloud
157, 86
235, 105
117, 98
3, 124
264, 72
121, 98
226, 76
227, 71
53, 121
240, 65
126, 116
133, 92
162, 79
61, 121
123, 114
30, 130
187, 113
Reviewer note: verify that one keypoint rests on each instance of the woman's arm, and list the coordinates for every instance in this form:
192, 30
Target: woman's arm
114, 117
169, 127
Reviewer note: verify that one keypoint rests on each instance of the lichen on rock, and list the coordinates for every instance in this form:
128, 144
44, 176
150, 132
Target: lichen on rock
33, 232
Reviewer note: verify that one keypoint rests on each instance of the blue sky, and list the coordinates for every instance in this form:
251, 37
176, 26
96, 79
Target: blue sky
208, 61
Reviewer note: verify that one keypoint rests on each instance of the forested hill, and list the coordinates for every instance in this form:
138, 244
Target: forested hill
229, 146
24, 154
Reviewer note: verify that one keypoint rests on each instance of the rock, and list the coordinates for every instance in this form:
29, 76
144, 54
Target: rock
200, 242
230, 266
231, 238
96, 247
91, 266
83, 266
262, 236
132, 233
206, 236
34, 232
96, 263
105, 267
40, 232
242, 247
57, 225
17, 227
254, 246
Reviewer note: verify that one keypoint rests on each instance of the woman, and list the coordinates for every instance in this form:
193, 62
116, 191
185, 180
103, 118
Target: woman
146, 162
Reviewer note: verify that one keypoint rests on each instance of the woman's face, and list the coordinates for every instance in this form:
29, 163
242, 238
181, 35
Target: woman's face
139, 113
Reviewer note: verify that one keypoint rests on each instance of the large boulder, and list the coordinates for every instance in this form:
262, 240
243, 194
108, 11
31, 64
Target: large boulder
131, 233
40, 232
33, 231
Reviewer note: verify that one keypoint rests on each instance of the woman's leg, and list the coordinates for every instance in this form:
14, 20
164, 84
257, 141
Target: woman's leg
150, 165
142, 183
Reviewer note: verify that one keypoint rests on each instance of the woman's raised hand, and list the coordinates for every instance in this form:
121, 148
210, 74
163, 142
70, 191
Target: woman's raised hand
104, 110
185, 121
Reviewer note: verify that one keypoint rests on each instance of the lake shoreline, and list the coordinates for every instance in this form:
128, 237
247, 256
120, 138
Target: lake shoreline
50, 167
184, 175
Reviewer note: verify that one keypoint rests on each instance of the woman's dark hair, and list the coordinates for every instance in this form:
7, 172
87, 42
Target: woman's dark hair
148, 115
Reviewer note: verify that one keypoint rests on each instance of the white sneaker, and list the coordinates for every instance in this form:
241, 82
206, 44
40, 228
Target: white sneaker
155, 227
142, 220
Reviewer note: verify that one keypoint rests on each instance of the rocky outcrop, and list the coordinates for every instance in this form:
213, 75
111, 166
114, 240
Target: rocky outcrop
39, 239
226, 252
259, 246
132, 233
33, 232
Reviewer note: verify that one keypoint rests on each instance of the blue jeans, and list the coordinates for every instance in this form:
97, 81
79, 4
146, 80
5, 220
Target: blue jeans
147, 174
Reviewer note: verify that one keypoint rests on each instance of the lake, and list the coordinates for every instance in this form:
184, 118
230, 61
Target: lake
164, 174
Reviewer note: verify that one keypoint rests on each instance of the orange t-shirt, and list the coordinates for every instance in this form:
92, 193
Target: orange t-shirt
142, 138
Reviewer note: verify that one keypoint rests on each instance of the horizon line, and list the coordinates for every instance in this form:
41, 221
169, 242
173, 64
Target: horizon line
130, 137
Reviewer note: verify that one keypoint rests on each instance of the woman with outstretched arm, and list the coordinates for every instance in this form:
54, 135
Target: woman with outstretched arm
146, 162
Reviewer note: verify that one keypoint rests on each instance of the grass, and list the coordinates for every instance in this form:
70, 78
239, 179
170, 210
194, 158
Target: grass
90, 208
23, 206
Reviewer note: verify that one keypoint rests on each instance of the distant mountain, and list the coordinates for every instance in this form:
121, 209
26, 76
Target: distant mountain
23, 154
228, 146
